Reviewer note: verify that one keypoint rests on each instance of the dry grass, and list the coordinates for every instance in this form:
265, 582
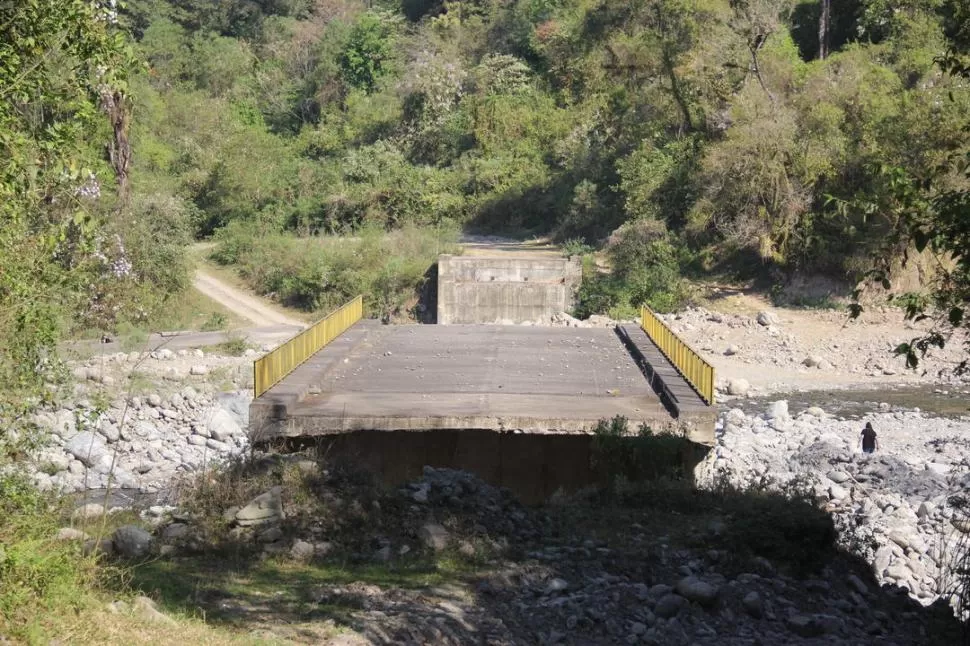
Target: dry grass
97, 627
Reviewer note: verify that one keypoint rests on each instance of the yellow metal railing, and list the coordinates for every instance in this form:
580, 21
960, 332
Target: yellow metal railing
697, 372
272, 367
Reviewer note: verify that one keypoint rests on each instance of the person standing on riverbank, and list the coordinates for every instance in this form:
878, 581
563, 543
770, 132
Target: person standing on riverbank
869, 441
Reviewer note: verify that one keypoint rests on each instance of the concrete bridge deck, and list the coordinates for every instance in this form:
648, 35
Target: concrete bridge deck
537, 380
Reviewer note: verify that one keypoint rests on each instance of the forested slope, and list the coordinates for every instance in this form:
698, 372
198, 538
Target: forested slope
760, 136
707, 132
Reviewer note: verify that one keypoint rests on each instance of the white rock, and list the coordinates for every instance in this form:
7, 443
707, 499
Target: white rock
87, 447
738, 387
838, 493
199, 370
767, 318
778, 409
837, 476
222, 425
88, 511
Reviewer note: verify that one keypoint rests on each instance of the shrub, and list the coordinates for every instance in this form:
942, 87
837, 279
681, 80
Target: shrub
38, 575
322, 272
619, 453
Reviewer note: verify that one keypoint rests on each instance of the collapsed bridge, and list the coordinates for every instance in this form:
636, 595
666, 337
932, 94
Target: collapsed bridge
516, 404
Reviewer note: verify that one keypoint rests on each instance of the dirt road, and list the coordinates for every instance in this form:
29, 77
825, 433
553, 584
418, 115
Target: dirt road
250, 307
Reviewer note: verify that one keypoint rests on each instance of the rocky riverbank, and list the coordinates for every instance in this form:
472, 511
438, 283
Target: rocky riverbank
138, 421
894, 508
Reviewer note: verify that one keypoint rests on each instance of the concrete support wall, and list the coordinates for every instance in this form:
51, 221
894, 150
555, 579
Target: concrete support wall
504, 290
533, 467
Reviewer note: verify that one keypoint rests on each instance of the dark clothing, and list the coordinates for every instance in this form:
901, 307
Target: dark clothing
868, 440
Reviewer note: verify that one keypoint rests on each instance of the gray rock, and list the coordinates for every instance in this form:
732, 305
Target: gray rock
54, 461
767, 318
837, 476
858, 584
556, 585
805, 626
670, 605
109, 431
104, 547
222, 426
199, 370
131, 541
907, 538
698, 591
812, 361
87, 447
301, 550
216, 445
196, 440
154, 400
433, 536
753, 604
925, 510
265, 508
175, 531
731, 350
65, 425
145, 609
70, 534
88, 511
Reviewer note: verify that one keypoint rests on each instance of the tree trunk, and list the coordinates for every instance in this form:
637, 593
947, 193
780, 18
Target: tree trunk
823, 29
115, 104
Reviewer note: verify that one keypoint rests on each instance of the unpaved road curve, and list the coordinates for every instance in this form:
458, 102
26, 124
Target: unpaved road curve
240, 303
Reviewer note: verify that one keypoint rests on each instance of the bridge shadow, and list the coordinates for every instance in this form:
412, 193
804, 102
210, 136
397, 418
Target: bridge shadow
532, 466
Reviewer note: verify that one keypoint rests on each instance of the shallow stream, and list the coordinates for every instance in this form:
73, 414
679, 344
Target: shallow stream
934, 401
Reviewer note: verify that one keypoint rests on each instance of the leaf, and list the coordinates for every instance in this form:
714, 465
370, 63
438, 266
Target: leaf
920, 240
911, 360
956, 316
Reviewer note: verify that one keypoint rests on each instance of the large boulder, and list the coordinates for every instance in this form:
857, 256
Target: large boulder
87, 447
222, 426
131, 541
264, 508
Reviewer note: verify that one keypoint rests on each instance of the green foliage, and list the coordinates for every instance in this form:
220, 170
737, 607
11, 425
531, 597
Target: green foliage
621, 455
321, 273
645, 271
38, 575
369, 50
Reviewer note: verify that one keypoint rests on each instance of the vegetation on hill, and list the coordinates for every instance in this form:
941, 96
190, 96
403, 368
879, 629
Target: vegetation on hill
756, 136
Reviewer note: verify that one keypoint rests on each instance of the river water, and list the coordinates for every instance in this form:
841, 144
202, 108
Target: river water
933, 401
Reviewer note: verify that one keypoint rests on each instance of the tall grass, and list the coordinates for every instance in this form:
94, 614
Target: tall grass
322, 272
